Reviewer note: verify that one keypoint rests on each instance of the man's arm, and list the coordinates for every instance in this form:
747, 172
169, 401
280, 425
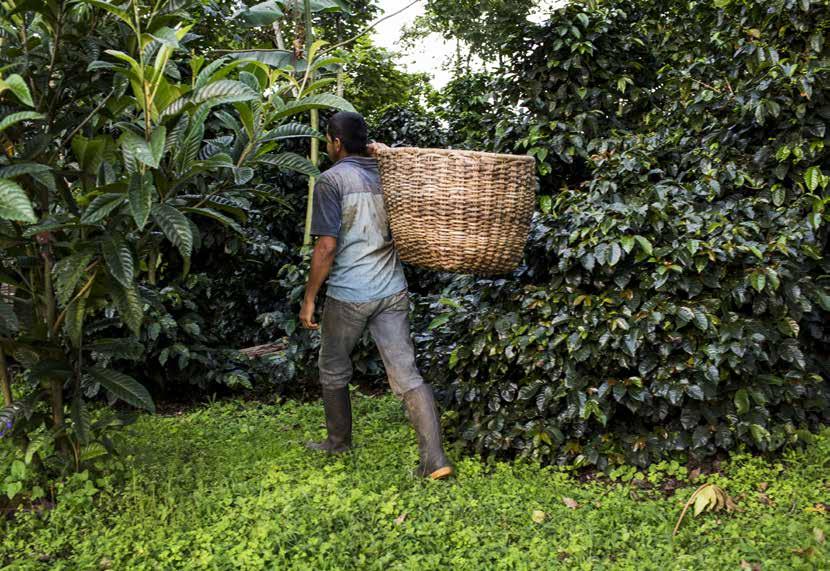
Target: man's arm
321, 260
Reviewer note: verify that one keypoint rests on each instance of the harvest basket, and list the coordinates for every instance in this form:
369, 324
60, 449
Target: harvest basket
458, 211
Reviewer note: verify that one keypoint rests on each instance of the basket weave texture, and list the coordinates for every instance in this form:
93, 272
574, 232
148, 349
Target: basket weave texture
458, 211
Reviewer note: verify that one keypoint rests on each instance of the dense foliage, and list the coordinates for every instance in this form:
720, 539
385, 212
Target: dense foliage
674, 295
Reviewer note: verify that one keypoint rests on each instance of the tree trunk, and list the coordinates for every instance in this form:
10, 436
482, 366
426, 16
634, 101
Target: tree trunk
5, 381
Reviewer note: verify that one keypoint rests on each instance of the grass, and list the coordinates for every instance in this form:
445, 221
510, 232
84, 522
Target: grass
230, 486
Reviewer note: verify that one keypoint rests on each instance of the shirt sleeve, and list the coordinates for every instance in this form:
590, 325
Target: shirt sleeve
326, 211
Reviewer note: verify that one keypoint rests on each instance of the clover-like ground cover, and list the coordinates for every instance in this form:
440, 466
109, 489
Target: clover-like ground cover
230, 486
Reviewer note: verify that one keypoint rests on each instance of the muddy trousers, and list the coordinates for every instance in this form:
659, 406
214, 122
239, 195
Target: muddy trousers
342, 326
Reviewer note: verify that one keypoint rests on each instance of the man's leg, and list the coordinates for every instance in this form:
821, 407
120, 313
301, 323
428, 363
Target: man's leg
390, 330
342, 325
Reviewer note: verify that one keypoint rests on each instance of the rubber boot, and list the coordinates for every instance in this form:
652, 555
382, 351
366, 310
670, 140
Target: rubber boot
338, 408
423, 414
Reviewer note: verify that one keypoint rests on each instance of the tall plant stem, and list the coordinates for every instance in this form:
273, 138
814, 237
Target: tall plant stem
5, 382
315, 123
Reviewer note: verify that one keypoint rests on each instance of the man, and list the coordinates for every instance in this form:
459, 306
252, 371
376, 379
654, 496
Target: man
366, 287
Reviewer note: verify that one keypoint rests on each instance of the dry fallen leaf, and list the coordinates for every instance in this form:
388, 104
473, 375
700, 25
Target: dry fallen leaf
762, 486
538, 516
819, 535
765, 499
751, 566
694, 474
570, 502
400, 518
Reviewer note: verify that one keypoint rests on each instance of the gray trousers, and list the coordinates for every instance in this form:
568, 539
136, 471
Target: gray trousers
342, 326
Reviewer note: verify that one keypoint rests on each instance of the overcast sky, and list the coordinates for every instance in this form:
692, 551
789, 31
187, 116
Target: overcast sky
432, 53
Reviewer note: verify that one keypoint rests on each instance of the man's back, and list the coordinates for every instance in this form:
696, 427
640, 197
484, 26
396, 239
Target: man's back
348, 204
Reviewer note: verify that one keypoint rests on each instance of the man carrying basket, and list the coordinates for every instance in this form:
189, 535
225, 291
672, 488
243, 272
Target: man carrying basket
366, 288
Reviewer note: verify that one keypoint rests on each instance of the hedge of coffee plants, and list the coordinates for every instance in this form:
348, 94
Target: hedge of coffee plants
674, 294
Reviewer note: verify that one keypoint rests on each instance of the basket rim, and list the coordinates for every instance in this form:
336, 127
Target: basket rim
450, 152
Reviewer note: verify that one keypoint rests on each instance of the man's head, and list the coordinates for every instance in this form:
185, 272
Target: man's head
346, 135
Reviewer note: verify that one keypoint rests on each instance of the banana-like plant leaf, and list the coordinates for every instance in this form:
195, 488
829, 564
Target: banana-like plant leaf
119, 259
320, 101
262, 14
14, 118
278, 59
290, 161
81, 420
175, 226
101, 207
124, 387
14, 203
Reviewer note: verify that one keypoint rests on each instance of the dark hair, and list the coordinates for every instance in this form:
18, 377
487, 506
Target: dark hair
351, 129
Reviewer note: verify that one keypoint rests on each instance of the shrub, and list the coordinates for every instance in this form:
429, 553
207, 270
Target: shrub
674, 293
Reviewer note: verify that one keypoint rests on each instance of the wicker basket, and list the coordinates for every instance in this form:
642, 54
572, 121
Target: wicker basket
458, 211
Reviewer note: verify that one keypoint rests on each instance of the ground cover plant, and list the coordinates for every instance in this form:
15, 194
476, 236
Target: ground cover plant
231, 486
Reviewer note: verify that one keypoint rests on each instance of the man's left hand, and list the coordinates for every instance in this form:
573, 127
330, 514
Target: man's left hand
307, 315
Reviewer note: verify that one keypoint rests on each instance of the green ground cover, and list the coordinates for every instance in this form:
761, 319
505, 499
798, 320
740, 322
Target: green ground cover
230, 486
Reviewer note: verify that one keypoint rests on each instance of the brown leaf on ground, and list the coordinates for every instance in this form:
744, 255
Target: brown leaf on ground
400, 518
819, 535
570, 502
762, 486
694, 474
751, 566
765, 499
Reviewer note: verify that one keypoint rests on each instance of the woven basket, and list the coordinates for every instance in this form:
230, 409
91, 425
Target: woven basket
458, 211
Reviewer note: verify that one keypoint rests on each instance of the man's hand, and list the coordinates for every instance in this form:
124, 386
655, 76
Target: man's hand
374, 147
307, 315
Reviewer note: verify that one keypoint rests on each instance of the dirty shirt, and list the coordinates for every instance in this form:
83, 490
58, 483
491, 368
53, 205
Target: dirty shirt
348, 204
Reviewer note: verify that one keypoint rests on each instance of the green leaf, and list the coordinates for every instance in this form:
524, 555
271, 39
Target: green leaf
644, 244
779, 195
14, 203
157, 144
758, 280
135, 148
759, 433
123, 387
119, 259
615, 255
263, 14
101, 207
141, 192
129, 306
14, 118
627, 243
210, 213
67, 273
742, 401
175, 226
226, 89
290, 161
17, 85
439, 321
812, 178
20, 169
321, 101
700, 320
73, 325
684, 316
291, 131
545, 203
122, 15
